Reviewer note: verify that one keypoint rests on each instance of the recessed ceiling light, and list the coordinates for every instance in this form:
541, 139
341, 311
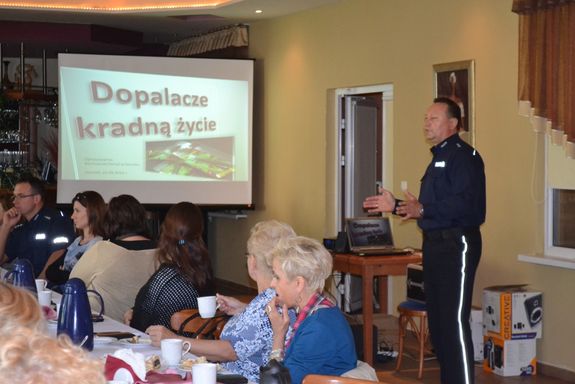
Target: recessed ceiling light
259, 11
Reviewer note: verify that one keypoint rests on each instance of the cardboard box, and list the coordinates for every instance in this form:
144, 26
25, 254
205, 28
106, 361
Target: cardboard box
512, 312
510, 357
476, 324
414, 282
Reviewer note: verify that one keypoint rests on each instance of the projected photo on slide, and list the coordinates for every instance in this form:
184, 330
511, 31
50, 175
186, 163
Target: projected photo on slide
160, 128
211, 158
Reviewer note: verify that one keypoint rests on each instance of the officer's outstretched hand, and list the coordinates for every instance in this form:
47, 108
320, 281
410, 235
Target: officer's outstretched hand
380, 203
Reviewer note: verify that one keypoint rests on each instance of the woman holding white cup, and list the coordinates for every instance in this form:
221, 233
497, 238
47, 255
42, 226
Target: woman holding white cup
245, 342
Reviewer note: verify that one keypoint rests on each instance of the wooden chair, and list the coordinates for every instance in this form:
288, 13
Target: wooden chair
408, 312
323, 379
189, 321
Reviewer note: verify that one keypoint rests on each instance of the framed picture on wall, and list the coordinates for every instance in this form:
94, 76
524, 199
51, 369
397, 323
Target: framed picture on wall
457, 81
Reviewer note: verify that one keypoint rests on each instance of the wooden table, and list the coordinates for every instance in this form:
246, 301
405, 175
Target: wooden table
369, 267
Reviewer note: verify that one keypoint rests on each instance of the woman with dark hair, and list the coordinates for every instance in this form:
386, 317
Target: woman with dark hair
126, 223
5, 203
184, 272
118, 268
88, 214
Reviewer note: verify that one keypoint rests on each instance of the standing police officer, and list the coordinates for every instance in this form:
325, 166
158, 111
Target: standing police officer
449, 211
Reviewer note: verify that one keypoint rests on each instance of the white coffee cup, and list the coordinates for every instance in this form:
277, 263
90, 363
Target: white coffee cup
41, 285
207, 306
172, 350
45, 298
204, 373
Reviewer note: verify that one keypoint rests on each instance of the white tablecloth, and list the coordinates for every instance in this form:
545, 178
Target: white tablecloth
109, 325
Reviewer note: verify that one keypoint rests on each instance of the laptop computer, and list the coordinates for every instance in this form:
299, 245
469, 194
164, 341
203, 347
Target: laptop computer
372, 236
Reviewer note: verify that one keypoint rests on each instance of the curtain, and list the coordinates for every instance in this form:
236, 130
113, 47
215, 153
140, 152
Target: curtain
236, 36
547, 67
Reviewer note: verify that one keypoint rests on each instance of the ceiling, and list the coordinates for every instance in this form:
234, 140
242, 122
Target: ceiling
130, 31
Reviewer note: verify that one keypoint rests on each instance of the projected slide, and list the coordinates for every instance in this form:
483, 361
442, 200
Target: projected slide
112, 120
155, 121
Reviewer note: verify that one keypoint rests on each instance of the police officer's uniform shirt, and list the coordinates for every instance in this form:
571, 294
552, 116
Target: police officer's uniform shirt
453, 187
35, 240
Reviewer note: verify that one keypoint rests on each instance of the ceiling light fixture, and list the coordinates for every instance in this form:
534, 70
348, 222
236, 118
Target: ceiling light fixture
258, 11
113, 5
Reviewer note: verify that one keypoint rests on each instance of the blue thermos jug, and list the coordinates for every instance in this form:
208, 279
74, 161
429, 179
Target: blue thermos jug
75, 315
22, 275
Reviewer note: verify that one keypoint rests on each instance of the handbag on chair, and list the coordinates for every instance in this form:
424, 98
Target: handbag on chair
188, 323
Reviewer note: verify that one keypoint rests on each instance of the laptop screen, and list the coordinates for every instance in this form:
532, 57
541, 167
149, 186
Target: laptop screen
371, 232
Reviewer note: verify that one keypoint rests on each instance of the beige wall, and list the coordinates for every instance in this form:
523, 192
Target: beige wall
364, 42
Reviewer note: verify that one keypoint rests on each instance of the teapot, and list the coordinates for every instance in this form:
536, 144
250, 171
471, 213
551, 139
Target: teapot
75, 315
22, 275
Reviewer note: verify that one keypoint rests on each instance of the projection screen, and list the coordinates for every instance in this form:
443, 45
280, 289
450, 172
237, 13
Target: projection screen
162, 129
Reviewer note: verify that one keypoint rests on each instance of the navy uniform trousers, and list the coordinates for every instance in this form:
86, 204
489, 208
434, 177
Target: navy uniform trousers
450, 259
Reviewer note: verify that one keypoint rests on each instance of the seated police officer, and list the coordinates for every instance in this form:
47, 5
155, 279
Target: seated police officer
29, 229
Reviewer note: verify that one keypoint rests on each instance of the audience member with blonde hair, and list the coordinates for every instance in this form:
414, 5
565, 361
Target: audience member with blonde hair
245, 342
29, 356
321, 341
19, 309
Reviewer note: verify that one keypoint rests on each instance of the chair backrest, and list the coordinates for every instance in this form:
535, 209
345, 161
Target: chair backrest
323, 379
188, 321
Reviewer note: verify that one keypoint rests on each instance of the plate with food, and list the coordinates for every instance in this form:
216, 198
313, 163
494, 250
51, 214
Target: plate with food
100, 340
136, 341
153, 363
186, 364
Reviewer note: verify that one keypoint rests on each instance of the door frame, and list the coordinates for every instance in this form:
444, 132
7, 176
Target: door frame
334, 186
334, 177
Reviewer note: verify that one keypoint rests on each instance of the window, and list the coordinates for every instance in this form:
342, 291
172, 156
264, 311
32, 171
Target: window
560, 207
561, 229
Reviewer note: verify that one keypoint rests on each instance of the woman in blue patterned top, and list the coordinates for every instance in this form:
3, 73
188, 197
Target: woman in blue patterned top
245, 343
